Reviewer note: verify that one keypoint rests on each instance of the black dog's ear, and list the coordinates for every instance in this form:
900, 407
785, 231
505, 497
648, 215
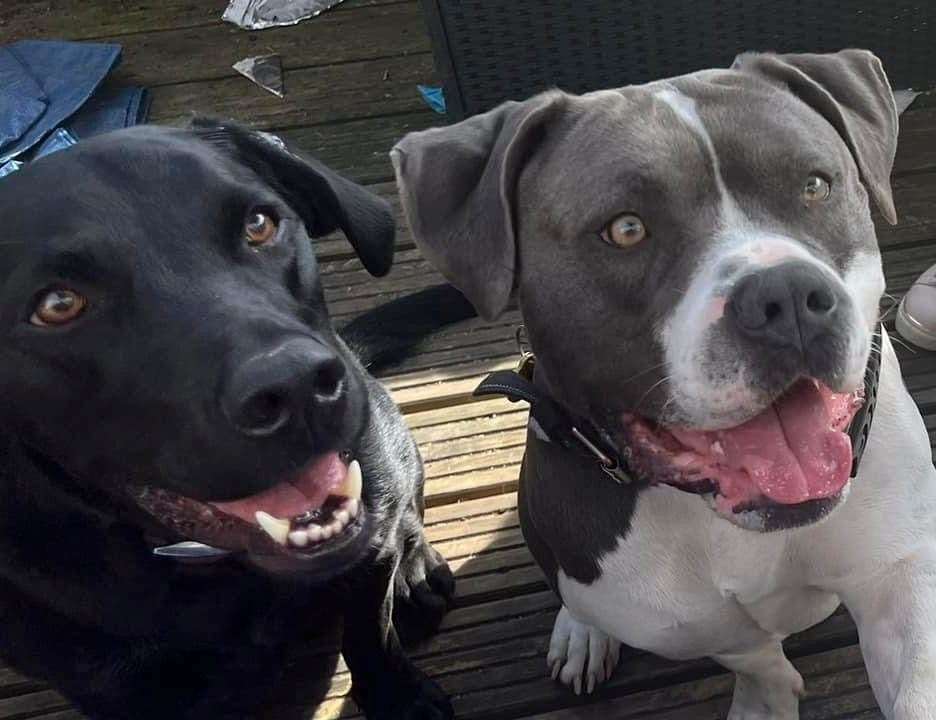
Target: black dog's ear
323, 199
458, 184
851, 91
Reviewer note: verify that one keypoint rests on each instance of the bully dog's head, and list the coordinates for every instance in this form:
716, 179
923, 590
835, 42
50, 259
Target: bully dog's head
694, 259
165, 347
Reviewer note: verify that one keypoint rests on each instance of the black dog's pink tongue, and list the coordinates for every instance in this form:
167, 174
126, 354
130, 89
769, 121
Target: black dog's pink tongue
795, 450
306, 490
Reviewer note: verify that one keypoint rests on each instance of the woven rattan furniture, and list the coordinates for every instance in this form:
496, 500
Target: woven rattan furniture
495, 50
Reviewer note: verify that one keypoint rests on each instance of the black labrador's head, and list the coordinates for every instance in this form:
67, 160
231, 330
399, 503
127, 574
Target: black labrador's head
164, 337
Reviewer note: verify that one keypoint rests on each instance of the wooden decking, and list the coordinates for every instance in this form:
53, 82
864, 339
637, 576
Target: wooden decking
350, 76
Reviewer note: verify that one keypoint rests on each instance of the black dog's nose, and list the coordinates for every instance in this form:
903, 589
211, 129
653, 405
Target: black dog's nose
270, 391
787, 305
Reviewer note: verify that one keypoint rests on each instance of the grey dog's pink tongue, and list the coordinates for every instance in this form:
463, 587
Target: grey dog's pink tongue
795, 450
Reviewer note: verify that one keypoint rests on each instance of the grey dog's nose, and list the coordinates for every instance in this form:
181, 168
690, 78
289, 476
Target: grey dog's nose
272, 390
787, 305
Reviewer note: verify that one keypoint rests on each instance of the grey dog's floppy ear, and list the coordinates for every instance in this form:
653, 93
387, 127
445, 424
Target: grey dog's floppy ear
458, 185
323, 199
851, 91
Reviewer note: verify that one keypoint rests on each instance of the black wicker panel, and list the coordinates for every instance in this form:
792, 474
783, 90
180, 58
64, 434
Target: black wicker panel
491, 51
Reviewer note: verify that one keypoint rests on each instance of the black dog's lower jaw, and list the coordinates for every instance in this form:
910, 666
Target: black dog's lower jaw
126, 635
232, 668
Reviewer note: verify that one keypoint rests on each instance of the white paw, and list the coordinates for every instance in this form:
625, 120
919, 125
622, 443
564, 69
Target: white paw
580, 655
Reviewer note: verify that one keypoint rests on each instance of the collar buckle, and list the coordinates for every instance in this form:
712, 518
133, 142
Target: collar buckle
609, 465
527, 363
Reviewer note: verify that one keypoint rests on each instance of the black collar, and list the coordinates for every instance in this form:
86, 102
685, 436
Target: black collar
581, 436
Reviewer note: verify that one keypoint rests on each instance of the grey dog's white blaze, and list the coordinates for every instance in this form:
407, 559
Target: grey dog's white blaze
707, 387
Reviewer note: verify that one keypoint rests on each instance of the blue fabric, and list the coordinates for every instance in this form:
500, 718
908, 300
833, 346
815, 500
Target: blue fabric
22, 101
10, 167
59, 75
434, 97
110, 109
59, 139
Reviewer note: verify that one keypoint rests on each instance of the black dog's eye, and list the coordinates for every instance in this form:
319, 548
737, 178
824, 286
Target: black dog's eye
58, 307
259, 228
817, 189
624, 231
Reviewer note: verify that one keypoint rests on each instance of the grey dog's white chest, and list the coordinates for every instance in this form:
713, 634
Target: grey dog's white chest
683, 584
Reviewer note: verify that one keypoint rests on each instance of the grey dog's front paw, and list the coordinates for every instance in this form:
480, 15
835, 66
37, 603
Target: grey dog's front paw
581, 656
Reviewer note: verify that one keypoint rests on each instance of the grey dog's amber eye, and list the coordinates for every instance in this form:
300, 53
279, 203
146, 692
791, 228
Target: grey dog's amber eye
624, 231
58, 307
816, 189
259, 229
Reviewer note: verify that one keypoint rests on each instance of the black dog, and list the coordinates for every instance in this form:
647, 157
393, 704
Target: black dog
168, 372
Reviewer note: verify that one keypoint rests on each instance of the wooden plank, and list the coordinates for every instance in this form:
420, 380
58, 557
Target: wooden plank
505, 417
85, 20
360, 149
480, 669
487, 434
827, 673
448, 391
436, 421
512, 607
31, 703
473, 485
467, 509
498, 561
471, 546
63, 715
356, 90
498, 456
916, 150
462, 529
436, 452
10, 680
512, 651
471, 340
438, 375
410, 272
155, 59
366, 296
493, 586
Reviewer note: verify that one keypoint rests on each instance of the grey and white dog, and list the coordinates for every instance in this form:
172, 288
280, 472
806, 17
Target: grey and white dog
698, 272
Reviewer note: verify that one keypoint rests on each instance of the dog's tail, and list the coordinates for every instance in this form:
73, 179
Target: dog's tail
388, 333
